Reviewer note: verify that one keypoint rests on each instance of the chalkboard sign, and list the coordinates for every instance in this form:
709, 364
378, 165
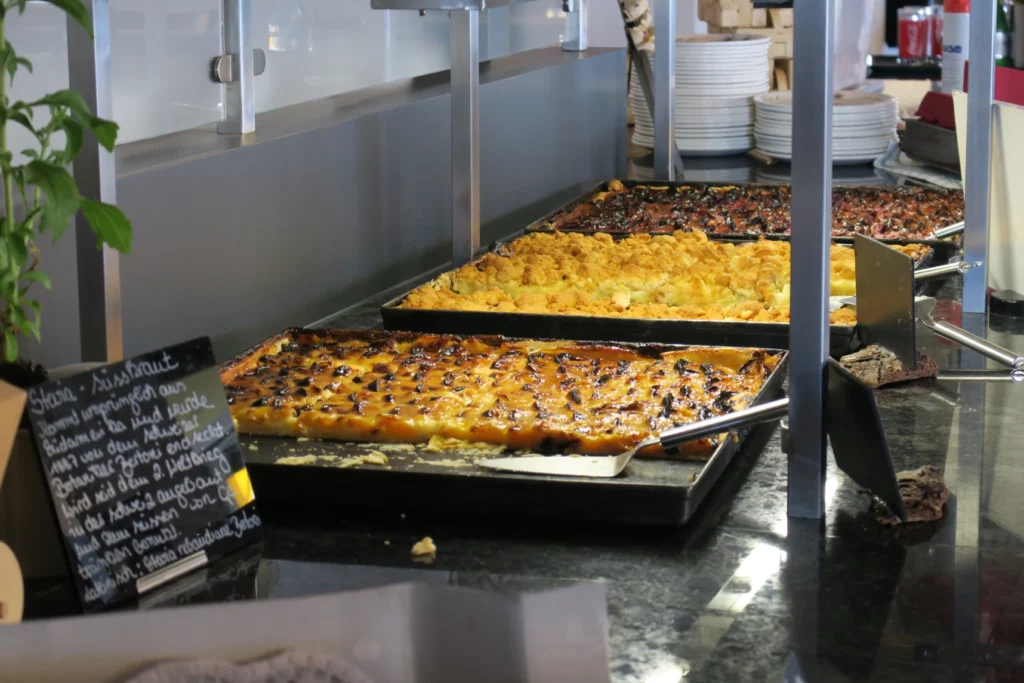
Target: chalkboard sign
144, 470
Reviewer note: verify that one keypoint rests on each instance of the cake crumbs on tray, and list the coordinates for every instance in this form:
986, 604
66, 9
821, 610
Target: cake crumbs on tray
424, 551
371, 458
440, 444
392, 446
296, 460
447, 462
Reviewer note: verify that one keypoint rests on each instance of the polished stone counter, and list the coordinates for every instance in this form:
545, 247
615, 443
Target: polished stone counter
741, 592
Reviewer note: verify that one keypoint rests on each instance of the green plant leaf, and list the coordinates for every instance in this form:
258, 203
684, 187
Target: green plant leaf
37, 276
64, 98
30, 153
10, 60
61, 195
104, 130
10, 346
18, 316
32, 327
20, 105
17, 250
76, 10
25, 63
74, 135
18, 174
19, 117
109, 223
8, 285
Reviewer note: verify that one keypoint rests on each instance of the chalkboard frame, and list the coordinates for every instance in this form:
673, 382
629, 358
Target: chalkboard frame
198, 490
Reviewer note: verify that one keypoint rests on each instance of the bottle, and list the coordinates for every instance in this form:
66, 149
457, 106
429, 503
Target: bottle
1002, 46
956, 31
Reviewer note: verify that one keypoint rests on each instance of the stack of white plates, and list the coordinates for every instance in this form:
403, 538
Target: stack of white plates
716, 78
863, 124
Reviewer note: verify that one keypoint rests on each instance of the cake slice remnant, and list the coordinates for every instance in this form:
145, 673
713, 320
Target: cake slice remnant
924, 494
877, 366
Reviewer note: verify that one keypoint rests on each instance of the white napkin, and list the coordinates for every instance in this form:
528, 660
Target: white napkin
896, 162
290, 666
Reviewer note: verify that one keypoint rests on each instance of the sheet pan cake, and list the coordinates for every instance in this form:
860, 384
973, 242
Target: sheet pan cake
542, 396
907, 212
683, 275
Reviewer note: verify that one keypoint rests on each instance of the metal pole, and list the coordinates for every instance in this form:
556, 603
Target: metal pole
664, 89
465, 89
981, 87
575, 38
99, 276
239, 97
812, 223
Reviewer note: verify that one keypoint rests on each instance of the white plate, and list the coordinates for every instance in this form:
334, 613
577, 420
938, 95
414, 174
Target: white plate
869, 124
719, 40
843, 101
700, 120
716, 142
837, 133
723, 90
840, 155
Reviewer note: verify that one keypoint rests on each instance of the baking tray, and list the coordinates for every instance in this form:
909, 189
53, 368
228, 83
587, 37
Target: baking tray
650, 492
842, 338
944, 250
607, 329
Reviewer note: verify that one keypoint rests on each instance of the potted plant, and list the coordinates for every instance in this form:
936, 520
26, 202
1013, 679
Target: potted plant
40, 199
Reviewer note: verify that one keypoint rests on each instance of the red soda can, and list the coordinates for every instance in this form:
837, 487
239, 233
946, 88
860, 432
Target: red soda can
914, 34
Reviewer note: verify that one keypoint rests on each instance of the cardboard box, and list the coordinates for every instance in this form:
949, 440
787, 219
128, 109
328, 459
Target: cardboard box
781, 18
12, 403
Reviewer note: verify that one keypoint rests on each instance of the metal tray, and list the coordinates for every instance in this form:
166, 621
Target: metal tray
842, 338
650, 492
594, 328
944, 250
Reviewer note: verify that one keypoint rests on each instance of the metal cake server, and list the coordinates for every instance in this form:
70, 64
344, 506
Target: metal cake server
948, 231
924, 307
922, 275
606, 467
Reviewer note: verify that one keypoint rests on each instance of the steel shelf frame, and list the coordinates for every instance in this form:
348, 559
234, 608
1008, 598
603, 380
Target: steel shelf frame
464, 16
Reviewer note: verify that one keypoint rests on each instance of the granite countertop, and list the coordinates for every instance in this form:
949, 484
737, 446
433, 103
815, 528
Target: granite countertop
741, 593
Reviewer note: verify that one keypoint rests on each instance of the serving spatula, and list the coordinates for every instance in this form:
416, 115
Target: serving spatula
922, 275
948, 231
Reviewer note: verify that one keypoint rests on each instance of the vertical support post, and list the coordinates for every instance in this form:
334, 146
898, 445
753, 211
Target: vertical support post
239, 97
981, 87
811, 242
664, 89
465, 87
99, 275
575, 38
